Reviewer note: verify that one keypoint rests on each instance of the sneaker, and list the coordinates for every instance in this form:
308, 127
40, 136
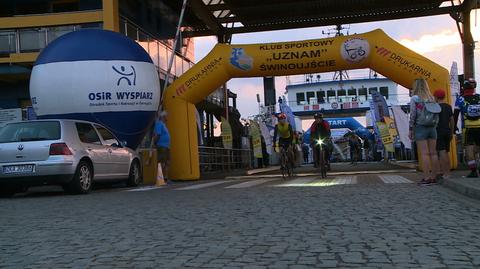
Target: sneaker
473, 174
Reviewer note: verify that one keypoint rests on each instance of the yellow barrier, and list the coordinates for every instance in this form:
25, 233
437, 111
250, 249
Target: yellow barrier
149, 167
373, 50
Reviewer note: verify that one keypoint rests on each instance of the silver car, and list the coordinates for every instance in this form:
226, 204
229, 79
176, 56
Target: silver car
70, 153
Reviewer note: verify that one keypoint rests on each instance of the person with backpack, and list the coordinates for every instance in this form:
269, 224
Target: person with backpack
445, 131
469, 106
424, 116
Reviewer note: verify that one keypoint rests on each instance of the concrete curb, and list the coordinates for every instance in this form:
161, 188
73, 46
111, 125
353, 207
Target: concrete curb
262, 170
411, 165
463, 186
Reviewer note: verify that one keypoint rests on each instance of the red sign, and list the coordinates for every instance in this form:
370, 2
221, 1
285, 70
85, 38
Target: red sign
315, 107
306, 107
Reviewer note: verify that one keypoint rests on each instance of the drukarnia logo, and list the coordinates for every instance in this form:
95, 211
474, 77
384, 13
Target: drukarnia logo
241, 60
355, 50
126, 75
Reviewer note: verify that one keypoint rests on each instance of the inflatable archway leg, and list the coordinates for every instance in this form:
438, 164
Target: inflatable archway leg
182, 126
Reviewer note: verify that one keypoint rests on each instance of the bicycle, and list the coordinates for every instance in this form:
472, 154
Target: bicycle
321, 162
286, 165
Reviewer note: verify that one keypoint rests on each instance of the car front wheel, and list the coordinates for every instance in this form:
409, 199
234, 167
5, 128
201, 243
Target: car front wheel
82, 180
135, 175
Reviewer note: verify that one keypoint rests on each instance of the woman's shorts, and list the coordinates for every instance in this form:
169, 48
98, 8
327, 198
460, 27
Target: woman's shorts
443, 141
424, 133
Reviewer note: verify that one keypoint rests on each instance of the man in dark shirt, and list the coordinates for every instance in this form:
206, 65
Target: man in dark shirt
445, 129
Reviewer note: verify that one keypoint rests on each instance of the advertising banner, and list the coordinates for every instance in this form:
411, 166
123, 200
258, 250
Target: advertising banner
226, 134
256, 139
401, 119
266, 135
385, 135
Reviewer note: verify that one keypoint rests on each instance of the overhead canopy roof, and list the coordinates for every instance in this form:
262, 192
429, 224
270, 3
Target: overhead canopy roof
228, 17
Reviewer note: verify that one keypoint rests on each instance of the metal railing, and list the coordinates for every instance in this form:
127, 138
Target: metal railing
220, 159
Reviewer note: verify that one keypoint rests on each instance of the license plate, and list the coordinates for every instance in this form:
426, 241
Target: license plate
19, 169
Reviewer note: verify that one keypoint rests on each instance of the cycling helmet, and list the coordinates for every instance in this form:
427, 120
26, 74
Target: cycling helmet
469, 84
318, 115
282, 116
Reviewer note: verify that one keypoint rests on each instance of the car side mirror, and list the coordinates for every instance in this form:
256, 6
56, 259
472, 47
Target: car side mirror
123, 143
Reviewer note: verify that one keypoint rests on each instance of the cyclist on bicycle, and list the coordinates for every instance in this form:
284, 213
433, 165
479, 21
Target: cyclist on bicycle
320, 133
284, 132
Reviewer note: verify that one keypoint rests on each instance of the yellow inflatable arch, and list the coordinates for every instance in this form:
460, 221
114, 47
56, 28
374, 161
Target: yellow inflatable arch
373, 50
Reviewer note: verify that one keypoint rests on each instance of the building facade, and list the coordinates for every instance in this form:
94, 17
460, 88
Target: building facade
348, 97
26, 27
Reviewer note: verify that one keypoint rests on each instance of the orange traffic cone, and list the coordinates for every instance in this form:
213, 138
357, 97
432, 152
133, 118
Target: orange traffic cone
160, 180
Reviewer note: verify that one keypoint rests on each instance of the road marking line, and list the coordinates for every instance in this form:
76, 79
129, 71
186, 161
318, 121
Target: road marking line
394, 179
249, 183
200, 186
298, 182
339, 180
147, 188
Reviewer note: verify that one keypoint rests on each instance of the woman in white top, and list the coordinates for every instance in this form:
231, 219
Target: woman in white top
425, 135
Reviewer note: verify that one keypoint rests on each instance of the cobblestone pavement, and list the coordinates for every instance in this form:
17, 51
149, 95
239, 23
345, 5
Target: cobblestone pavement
346, 221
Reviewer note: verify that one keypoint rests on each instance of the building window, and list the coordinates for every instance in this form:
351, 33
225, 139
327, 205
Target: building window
300, 98
7, 42
311, 98
32, 40
341, 95
352, 92
56, 32
384, 92
320, 97
331, 96
362, 94
370, 90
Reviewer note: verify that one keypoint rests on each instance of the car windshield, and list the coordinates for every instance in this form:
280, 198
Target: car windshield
30, 131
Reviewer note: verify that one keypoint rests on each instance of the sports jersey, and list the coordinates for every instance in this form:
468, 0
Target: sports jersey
320, 130
284, 131
469, 105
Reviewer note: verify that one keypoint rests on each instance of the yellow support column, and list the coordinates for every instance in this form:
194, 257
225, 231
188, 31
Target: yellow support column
110, 15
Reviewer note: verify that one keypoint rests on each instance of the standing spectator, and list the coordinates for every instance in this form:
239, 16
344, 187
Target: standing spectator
306, 151
355, 148
445, 129
161, 138
423, 129
366, 147
468, 105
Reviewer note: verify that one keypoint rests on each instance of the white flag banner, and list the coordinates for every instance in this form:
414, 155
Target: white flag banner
401, 119
454, 88
266, 135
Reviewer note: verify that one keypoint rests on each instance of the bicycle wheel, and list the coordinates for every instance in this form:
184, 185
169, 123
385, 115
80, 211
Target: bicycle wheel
283, 165
323, 167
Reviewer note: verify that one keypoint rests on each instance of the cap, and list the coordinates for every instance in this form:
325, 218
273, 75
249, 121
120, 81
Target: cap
318, 115
439, 93
469, 84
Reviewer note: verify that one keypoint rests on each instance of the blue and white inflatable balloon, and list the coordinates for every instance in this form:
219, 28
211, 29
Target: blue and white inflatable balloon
99, 76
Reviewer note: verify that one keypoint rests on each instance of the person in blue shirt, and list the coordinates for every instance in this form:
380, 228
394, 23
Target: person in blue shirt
161, 138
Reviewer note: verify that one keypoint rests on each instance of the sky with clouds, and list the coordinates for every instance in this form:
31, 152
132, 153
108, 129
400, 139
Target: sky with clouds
434, 37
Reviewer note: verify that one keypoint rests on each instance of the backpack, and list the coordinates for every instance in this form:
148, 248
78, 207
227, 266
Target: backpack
428, 113
473, 107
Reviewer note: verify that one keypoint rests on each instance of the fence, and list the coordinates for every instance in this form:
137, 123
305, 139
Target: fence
220, 159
